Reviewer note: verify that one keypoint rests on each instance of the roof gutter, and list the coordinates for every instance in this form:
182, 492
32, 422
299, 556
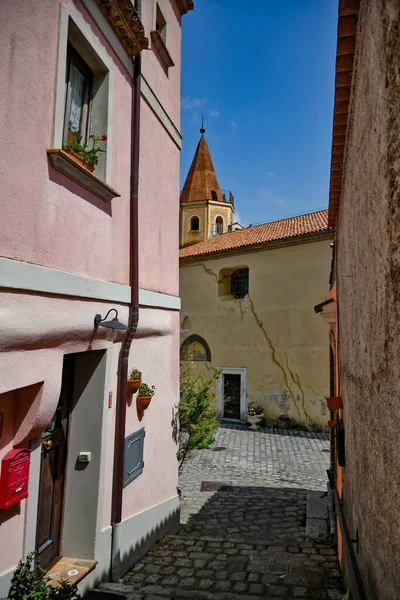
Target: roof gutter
120, 417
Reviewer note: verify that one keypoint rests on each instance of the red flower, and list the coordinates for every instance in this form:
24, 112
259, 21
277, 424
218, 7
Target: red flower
104, 137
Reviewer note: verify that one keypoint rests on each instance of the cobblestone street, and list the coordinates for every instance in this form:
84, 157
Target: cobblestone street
246, 539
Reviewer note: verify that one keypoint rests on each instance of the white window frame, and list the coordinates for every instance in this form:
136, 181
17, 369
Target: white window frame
69, 13
155, 4
219, 388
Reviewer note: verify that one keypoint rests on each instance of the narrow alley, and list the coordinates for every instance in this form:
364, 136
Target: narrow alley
243, 524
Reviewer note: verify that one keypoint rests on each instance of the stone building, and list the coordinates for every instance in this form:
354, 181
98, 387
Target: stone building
247, 299
88, 282
363, 307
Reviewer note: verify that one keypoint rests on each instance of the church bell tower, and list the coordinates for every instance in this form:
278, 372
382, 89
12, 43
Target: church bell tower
205, 209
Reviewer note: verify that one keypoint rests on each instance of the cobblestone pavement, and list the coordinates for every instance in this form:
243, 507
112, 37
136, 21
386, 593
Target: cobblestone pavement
245, 540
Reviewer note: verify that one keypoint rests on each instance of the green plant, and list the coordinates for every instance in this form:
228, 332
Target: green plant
90, 155
135, 375
196, 412
254, 409
30, 582
145, 390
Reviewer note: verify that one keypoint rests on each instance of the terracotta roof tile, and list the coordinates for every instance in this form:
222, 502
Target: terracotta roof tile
260, 234
201, 178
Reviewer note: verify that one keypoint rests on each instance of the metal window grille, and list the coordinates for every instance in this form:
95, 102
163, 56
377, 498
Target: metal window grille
240, 283
216, 229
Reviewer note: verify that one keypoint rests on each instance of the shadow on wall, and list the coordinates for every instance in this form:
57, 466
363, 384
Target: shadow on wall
78, 190
125, 559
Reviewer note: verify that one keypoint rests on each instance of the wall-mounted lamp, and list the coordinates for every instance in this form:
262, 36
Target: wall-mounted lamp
113, 324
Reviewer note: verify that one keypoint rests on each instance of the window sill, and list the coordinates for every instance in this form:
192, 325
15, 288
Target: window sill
65, 164
161, 48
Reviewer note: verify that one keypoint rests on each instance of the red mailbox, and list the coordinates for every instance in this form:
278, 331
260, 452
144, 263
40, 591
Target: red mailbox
14, 477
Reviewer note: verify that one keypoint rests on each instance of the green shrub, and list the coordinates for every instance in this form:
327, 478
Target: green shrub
30, 582
196, 412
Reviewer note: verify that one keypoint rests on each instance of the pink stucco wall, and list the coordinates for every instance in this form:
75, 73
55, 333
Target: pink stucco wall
158, 207
165, 84
158, 358
42, 210
49, 220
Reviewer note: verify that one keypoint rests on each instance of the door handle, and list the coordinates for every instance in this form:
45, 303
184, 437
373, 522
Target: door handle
47, 444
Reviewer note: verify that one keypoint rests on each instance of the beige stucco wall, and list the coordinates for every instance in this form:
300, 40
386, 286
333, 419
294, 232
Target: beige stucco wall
369, 301
273, 331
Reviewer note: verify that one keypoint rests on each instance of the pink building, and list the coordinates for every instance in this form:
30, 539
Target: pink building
75, 244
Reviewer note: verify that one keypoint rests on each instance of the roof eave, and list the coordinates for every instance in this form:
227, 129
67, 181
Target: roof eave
185, 5
304, 238
126, 24
346, 43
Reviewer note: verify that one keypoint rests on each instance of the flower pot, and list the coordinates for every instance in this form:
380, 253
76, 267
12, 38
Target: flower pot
79, 159
254, 421
133, 385
143, 402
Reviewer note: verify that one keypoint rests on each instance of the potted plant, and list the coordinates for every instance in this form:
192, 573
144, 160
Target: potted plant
87, 157
254, 415
134, 381
145, 395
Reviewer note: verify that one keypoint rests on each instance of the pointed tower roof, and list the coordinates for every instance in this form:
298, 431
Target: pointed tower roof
201, 180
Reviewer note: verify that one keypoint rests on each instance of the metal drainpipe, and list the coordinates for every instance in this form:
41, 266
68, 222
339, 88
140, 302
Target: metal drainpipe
120, 417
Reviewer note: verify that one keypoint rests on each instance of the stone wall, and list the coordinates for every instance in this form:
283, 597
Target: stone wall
368, 252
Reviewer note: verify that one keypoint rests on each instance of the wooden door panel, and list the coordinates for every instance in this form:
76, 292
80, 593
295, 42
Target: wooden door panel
232, 386
44, 529
50, 497
52, 469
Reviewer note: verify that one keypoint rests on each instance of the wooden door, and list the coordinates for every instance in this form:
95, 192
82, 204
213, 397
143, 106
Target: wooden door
232, 386
52, 471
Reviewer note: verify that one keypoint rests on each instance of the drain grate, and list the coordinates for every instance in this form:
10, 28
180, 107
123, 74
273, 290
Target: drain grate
218, 448
214, 486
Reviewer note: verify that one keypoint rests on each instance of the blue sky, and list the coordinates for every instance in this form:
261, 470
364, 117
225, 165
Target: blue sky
262, 73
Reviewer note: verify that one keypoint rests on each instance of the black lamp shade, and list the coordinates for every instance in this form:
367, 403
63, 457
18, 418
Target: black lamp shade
113, 324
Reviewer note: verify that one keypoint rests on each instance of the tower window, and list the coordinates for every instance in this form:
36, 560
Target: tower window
240, 283
214, 195
194, 224
219, 225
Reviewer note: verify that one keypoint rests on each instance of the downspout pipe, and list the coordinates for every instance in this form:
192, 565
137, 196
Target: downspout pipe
120, 417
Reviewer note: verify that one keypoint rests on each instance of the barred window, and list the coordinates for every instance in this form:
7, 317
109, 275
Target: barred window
240, 283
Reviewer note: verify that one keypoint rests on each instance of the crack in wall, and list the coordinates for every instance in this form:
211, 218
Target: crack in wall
294, 376
296, 379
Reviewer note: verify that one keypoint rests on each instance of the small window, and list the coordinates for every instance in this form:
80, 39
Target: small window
214, 195
240, 283
194, 224
161, 24
195, 348
79, 90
